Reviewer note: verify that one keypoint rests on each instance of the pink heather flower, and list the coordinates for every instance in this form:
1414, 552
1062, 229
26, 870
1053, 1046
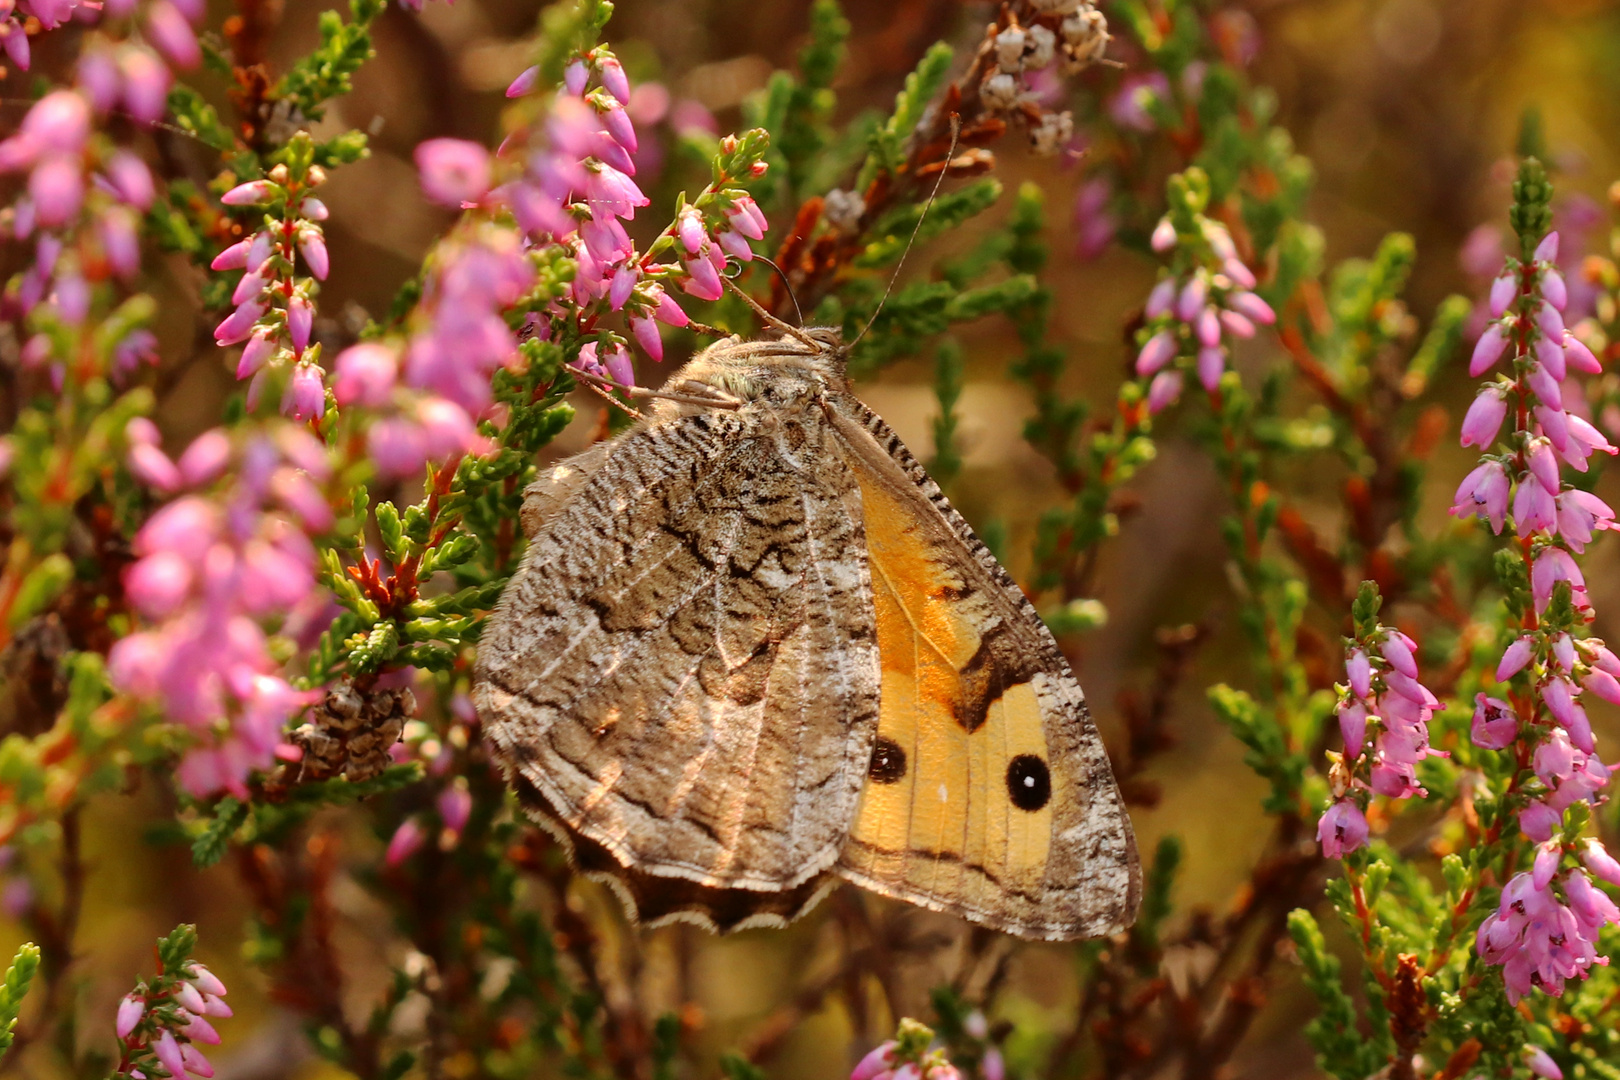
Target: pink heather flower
305, 396
1549, 321
877, 1062
1551, 356
172, 34
146, 83
1485, 416
261, 347
1542, 1064
1547, 249
613, 80
1544, 386
647, 336
251, 193
1341, 830
239, 324
447, 430
1603, 685
205, 459
1533, 508
453, 171
1582, 439
130, 179
1211, 365
1207, 328
455, 807
1579, 357
1359, 670
312, 246
130, 1011
1164, 236
365, 374
1158, 351
1563, 650
1580, 514
1555, 425
1160, 299
702, 281
1545, 865
689, 230
406, 841
168, 1052
1600, 862
1236, 325
300, 320
1238, 272
1163, 391
1514, 657
1492, 343
1553, 565
747, 218
1397, 649
1543, 464
1251, 306
525, 82
1192, 299
1538, 820
1353, 726
57, 188
1504, 290
153, 468
249, 286
669, 312
1560, 698
1495, 725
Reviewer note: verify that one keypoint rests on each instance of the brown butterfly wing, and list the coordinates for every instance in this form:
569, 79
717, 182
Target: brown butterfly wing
990, 794
684, 672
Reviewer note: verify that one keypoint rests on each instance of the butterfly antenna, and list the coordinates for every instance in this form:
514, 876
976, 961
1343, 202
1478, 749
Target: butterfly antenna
945, 167
798, 312
771, 320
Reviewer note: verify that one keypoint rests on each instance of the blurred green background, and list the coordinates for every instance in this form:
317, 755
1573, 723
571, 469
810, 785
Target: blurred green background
1409, 110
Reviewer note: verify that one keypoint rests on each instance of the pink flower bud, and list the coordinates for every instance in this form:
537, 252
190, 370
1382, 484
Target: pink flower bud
1548, 855
1158, 351
1603, 685
1539, 1061
1239, 272
300, 320
575, 76
238, 324
406, 841
57, 188
1484, 417
689, 230
877, 1062
260, 348
1503, 292
453, 171
1555, 425
1353, 726
525, 82
669, 312
130, 1011
613, 79
1164, 235
1552, 287
1538, 820
130, 179
1191, 301
1211, 365
251, 193
1163, 391
703, 281
1252, 306
248, 287
1236, 325
1160, 299
312, 245
647, 336
1543, 465
153, 468
1549, 321
1544, 386
1551, 355
1547, 250
305, 397
1397, 649
146, 83
172, 34
1207, 328
1533, 508
1359, 670
168, 1052
234, 257
365, 374
205, 459
455, 807
1579, 357
1515, 657
1488, 350
1600, 862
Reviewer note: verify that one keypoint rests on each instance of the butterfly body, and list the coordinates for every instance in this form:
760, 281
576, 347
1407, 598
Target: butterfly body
752, 648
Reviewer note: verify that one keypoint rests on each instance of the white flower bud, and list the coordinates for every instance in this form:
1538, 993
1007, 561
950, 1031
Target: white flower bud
1010, 50
1040, 45
1051, 133
1000, 92
1085, 35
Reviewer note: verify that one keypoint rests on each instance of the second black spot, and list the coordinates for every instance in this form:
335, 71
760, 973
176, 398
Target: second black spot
1029, 783
888, 762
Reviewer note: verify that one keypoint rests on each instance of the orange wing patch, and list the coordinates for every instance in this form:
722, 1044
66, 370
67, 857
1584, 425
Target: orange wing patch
957, 800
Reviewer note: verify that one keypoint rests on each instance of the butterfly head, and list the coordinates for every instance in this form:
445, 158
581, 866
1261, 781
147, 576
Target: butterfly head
804, 364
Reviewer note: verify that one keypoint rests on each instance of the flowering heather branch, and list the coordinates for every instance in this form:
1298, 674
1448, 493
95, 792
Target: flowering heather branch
161, 1023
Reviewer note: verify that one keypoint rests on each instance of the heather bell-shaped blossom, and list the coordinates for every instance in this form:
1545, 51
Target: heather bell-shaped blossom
1342, 829
1484, 493
1495, 724
453, 172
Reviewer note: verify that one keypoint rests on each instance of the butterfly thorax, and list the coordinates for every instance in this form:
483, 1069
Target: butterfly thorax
780, 374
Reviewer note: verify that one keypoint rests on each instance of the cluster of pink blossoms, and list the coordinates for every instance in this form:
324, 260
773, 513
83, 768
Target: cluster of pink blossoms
883, 1064
1383, 694
212, 568
170, 1027
82, 210
574, 190
275, 308
1545, 929
1194, 313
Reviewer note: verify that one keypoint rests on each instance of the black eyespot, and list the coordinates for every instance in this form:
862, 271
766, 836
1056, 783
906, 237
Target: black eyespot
888, 762
1029, 784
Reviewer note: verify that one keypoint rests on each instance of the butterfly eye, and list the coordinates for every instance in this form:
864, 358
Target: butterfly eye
1029, 783
888, 762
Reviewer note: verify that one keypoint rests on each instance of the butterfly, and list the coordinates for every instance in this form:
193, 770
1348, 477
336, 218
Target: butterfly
753, 650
